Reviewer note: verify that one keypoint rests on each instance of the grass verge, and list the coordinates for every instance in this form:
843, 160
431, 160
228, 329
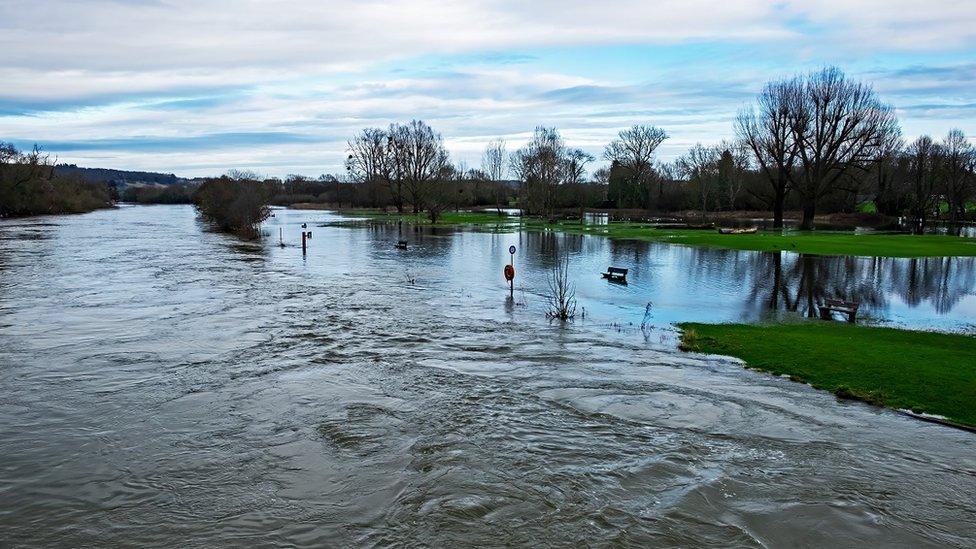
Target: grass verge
925, 372
807, 242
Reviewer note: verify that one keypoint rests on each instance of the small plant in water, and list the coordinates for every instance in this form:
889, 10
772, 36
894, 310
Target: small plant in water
646, 322
562, 293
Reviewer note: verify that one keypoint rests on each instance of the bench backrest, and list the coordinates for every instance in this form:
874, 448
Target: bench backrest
840, 303
616, 270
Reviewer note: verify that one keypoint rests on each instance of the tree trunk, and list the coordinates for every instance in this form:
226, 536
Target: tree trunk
809, 210
778, 202
777, 280
809, 282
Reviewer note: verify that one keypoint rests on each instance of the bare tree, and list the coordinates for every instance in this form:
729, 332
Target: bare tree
562, 293
634, 150
575, 173
838, 126
601, 176
884, 178
576, 161
924, 158
493, 164
766, 130
700, 167
733, 167
419, 155
437, 192
371, 161
540, 166
959, 163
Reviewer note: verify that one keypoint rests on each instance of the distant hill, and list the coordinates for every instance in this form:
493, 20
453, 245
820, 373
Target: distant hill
118, 178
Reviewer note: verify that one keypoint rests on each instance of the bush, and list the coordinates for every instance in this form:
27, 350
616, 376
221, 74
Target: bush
234, 205
29, 185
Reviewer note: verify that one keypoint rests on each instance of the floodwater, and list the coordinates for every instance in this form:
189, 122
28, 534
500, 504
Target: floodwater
164, 385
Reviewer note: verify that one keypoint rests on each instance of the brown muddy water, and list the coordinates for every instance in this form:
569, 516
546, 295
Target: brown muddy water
163, 385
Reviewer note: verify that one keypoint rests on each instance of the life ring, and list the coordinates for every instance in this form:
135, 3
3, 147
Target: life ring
509, 273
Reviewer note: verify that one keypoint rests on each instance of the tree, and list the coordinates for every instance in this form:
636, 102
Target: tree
371, 161
575, 173
30, 185
437, 191
420, 158
236, 202
924, 159
540, 165
733, 168
884, 174
700, 166
601, 176
633, 150
959, 163
766, 130
493, 165
838, 126
576, 161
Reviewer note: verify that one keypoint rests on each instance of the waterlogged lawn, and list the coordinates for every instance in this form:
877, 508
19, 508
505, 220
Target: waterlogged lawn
924, 372
808, 242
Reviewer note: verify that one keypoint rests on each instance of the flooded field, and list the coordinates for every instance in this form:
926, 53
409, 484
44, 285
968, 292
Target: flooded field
164, 385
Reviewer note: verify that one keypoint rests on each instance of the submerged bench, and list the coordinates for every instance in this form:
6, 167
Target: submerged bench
401, 245
615, 274
831, 306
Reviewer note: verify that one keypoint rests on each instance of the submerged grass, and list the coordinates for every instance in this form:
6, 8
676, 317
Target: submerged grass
925, 372
808, 242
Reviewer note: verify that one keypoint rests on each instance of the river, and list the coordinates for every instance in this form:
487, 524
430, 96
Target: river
165, 385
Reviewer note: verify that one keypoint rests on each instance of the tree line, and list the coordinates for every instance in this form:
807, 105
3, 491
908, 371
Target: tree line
814, 143
30, 185
817, 143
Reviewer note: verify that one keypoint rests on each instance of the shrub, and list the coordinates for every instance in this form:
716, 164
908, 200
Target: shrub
234, 205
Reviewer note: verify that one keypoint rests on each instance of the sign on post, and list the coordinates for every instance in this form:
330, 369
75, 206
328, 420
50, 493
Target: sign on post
510, 271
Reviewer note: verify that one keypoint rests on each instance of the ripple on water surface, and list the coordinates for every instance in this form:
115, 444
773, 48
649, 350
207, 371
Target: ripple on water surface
181, 388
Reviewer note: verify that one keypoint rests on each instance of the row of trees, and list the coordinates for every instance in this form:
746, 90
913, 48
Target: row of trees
30, 185
818, 142
922, 177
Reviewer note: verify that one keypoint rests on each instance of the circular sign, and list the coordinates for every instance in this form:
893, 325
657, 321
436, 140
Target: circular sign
509, 273
511, 250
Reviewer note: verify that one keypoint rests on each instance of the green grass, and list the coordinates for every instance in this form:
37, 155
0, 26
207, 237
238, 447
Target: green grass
925, 372
809, 242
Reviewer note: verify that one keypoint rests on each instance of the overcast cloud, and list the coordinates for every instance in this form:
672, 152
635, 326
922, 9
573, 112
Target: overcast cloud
199, 87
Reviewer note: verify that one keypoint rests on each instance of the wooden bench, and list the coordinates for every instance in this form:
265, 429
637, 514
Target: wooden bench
831, 306
401, 245
615, 274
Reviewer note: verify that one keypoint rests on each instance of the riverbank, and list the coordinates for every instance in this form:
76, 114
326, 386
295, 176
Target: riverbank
806, 242
925, 372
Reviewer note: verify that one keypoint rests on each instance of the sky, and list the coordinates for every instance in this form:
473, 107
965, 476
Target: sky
200, 87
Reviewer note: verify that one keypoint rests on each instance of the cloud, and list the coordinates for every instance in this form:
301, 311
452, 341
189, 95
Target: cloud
171, 84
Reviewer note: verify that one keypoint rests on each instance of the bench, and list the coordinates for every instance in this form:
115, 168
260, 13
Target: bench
401, 245
831, 306
615, 274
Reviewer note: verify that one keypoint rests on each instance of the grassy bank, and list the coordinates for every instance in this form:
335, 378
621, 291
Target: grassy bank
921, 371
811, 242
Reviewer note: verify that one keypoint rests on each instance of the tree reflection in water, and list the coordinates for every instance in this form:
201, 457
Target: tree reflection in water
801, 282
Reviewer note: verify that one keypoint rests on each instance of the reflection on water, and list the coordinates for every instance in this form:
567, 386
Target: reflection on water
702, 284
164, 385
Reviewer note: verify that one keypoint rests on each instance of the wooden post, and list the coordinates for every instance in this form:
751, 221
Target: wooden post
304, 245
